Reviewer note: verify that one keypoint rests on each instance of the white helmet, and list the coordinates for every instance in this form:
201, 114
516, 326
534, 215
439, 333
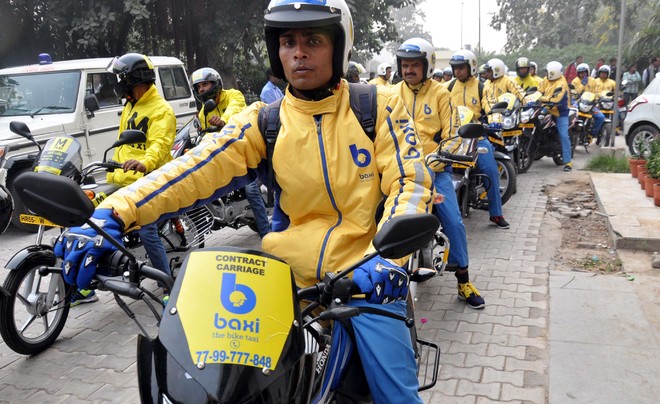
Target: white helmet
357, 67
463, 57
554, 70
533, 65
497, 66
438, 72
604, 68
448, 71
583, 67
417, 48
382, 68
281, 15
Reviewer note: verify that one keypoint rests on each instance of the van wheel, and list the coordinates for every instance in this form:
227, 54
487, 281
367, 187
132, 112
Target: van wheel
19, 207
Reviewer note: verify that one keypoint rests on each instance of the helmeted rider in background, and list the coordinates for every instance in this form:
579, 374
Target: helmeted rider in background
499, 83
354, 71
555, 79
438, 75
583, 82
465, 91
429, 103
447, 75
331, 178
146, 110
603, 82
207, 85
523, 79
533, 67
384, 71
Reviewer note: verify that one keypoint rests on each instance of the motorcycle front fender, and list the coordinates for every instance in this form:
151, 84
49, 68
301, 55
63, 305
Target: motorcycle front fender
32, 254
501, 156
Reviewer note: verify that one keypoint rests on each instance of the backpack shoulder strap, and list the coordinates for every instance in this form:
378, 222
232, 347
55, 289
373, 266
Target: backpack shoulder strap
481, 91
451, 85
364, 103
269, 126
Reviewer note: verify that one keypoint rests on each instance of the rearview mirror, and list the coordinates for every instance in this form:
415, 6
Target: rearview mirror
129, 136
405, 234
531, 90
209, 105
58, 199
91, 103
499, 107
471, 131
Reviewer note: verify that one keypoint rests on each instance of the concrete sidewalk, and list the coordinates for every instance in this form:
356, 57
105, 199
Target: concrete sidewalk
604, 331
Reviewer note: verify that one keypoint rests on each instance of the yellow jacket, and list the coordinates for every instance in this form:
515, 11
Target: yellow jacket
526, 82
499, 86
467, 95
379, 81
548, 87
332, 178
580, 88
155, 117
538, 79
229, 102
431, 110
603, 85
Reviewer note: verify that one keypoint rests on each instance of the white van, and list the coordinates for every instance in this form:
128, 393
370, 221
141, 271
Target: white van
49, 98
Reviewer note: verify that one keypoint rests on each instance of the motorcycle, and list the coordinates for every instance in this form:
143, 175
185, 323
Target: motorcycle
257, 342
606, 106
542, 140
232, 210
509, 143
472, 187
36, 294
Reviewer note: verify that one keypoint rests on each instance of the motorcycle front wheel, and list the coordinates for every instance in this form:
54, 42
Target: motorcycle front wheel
525, 158
507, 179
30, 320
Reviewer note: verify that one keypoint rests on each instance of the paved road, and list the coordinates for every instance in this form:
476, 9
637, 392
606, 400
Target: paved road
498, 354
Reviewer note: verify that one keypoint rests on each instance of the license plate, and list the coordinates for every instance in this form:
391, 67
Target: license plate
582, 114
36, 220
526, 125
512, 133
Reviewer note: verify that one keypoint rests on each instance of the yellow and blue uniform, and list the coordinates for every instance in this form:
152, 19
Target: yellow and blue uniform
330, 174
526, 82
229, 102
604, 85
155, 117
494, 88
560, 112
379, 81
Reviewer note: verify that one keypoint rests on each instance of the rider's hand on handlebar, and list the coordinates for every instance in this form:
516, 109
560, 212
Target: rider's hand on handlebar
81, 247
134, 165
216, 121
381, 281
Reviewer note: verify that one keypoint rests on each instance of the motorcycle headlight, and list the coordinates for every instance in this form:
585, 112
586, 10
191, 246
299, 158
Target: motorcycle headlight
608, 104
508, 122
584, 106
526, 115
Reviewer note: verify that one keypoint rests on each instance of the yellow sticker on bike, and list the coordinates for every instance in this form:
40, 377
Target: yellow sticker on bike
235, 308
36, 220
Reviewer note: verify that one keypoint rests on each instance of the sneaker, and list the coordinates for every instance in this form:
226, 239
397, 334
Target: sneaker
470, 294
500, 222
568, 167
83, 296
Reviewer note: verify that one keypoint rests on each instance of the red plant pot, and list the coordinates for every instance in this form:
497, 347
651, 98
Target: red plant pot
641, 172
634, 165
649, 184
656, 194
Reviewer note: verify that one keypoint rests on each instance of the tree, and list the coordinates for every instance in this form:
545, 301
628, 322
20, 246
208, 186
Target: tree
410, 23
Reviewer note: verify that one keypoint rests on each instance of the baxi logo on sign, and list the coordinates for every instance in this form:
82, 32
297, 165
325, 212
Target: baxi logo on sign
361, 157
236, 298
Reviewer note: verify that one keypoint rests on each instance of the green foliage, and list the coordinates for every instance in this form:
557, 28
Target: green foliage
605, 163
653, 161
409, 24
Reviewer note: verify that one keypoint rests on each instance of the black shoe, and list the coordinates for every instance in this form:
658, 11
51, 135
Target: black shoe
500, 222
568, 167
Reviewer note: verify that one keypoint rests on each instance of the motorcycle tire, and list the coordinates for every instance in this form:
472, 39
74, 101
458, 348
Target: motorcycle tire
508, 179
558, 160
43, 321
642, 135
525, 159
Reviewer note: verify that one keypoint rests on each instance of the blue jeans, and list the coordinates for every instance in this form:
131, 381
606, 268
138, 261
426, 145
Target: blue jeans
599, 118
451, 220
487, 165
562, 128
386, 353
253, 195
154, 247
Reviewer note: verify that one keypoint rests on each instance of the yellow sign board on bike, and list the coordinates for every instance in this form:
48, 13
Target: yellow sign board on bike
36, 220
235, 307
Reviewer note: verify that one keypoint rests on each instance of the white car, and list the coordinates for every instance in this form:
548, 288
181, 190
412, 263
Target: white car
642, 123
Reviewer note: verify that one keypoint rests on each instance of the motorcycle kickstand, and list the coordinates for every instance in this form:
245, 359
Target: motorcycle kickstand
129, 313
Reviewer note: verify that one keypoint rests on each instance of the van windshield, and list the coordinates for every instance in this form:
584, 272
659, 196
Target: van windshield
39, 93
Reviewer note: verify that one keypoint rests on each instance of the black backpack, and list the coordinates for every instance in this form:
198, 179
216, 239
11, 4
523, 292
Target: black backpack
364, 104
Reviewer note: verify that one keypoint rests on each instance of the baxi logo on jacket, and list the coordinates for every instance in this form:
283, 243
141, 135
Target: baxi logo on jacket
361, 157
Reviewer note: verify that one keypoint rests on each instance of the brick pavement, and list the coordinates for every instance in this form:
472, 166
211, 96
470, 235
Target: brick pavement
498, 354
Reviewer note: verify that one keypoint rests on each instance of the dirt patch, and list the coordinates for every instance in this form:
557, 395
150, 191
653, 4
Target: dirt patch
585, 240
